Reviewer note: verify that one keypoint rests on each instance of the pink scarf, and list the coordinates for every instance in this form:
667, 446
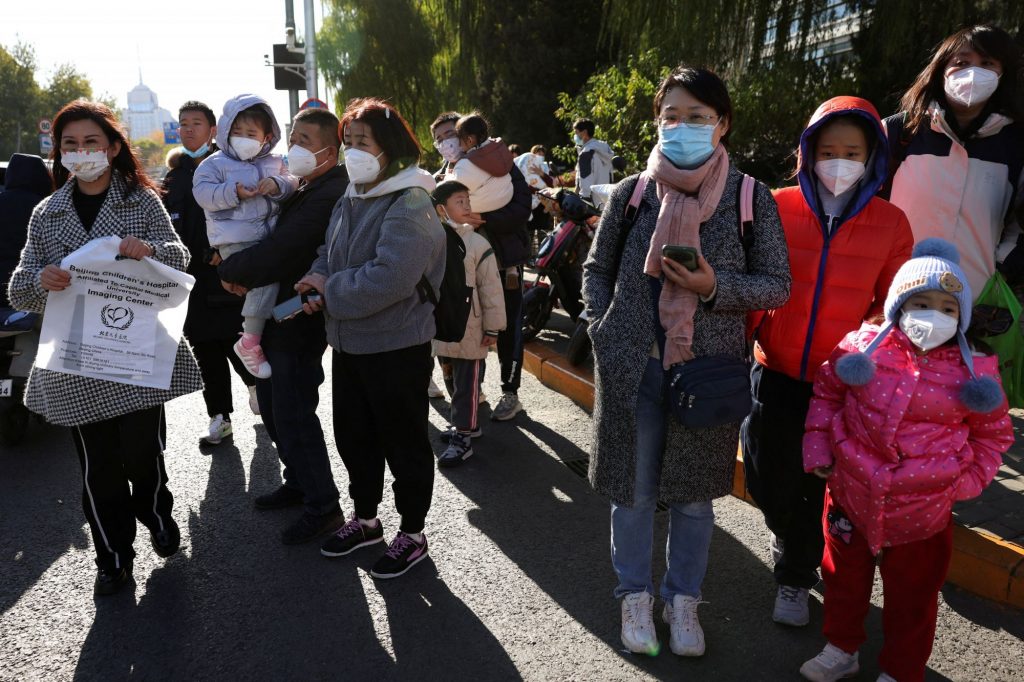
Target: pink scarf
688, 198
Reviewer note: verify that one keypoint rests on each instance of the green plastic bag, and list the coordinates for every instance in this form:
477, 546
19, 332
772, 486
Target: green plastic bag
996, 310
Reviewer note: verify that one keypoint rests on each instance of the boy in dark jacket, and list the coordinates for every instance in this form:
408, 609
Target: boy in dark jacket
214, 317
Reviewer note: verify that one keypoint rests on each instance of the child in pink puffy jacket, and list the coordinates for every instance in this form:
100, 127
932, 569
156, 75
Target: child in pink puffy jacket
905, 421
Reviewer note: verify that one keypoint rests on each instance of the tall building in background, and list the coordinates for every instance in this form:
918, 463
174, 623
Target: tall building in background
144, 116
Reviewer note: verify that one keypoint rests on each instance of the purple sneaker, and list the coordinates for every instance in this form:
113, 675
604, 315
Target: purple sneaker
402, 554
351, 537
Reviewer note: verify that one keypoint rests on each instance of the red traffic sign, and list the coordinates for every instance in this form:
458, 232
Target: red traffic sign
45, 125
314, 103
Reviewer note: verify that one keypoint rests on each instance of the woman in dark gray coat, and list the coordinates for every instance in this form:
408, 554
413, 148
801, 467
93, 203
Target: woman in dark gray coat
648, 313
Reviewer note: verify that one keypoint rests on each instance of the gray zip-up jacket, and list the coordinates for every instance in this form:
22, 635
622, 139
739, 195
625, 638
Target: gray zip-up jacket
378, 246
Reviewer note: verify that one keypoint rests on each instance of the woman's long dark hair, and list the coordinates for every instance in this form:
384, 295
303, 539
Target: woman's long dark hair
988, 41
126, 163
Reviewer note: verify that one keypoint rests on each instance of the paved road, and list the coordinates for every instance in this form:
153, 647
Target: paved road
518, 585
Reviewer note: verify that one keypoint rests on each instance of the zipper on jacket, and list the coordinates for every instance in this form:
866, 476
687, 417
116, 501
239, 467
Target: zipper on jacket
829, 226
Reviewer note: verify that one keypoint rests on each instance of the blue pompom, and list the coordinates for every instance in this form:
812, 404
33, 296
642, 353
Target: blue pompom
981, 395
855, 369
938, 248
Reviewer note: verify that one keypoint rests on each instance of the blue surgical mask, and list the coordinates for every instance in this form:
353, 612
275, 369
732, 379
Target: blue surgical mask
686, 146
578, 140
199, 152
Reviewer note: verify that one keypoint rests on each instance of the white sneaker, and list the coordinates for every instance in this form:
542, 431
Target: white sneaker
253, 359
638, 633
886, 677
254, 403
687, 634
434, 391
220, 429
775, 546
791, 606
830, 665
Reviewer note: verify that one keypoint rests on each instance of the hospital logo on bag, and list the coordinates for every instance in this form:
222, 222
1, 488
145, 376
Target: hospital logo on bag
116, 316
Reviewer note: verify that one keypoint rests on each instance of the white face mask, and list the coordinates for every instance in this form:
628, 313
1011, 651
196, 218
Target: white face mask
928, 329
301, 161
362, 166
838, 175
449, 149
971, 86
85, 164
245, 147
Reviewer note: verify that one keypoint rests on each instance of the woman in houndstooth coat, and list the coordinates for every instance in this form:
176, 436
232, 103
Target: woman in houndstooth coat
117, 428
647, 313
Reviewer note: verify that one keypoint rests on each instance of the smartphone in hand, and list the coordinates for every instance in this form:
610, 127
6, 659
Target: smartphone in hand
293, 306
684, 255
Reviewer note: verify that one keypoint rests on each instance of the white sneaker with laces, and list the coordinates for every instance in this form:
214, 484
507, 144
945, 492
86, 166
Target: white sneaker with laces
254, 403
638, 633
220, 428
687, 634
434, 391
791, 606
830, 665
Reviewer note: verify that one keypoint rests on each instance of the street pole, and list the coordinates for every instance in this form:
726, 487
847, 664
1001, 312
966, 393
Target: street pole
289, 30
310, 40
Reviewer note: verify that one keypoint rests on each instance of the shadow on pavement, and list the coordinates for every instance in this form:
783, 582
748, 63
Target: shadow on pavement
987, 614
238, 604
41, 517
560, 539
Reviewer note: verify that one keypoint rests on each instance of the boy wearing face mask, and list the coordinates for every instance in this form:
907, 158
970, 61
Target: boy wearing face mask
905, 421
845, 245
240, 188
461, 360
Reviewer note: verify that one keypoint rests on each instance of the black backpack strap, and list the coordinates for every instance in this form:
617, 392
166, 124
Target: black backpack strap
628, 220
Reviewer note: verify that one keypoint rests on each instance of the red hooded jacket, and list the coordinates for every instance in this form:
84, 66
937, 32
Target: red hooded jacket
840, 276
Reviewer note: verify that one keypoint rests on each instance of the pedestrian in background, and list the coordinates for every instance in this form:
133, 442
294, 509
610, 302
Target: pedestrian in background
384, 244
906, 420
103, 191
594, 163
648, 313
506, 231
845, 246
957, 152
214, 318
461, 360
26, 183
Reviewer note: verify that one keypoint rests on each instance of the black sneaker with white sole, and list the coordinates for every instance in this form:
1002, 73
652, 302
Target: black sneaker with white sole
351, 537
403, 553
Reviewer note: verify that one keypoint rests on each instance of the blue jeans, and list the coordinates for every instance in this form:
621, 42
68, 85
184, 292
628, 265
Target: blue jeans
288, 402
690, 525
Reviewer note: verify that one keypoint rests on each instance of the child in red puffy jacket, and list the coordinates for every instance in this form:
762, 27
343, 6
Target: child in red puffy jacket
905, 421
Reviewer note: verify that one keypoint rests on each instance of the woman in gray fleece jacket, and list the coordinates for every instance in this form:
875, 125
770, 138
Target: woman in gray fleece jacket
384, 237
647, 313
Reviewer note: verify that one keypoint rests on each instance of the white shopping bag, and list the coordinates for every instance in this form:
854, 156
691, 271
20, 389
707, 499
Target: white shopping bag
120, 319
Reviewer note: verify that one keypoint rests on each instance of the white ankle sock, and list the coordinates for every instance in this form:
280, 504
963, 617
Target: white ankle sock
368, 523
416, 537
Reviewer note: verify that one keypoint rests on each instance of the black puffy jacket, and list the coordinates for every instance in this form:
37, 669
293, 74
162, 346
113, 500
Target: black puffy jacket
26, 184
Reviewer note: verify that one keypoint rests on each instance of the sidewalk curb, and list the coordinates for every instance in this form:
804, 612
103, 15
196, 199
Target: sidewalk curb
981, 563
